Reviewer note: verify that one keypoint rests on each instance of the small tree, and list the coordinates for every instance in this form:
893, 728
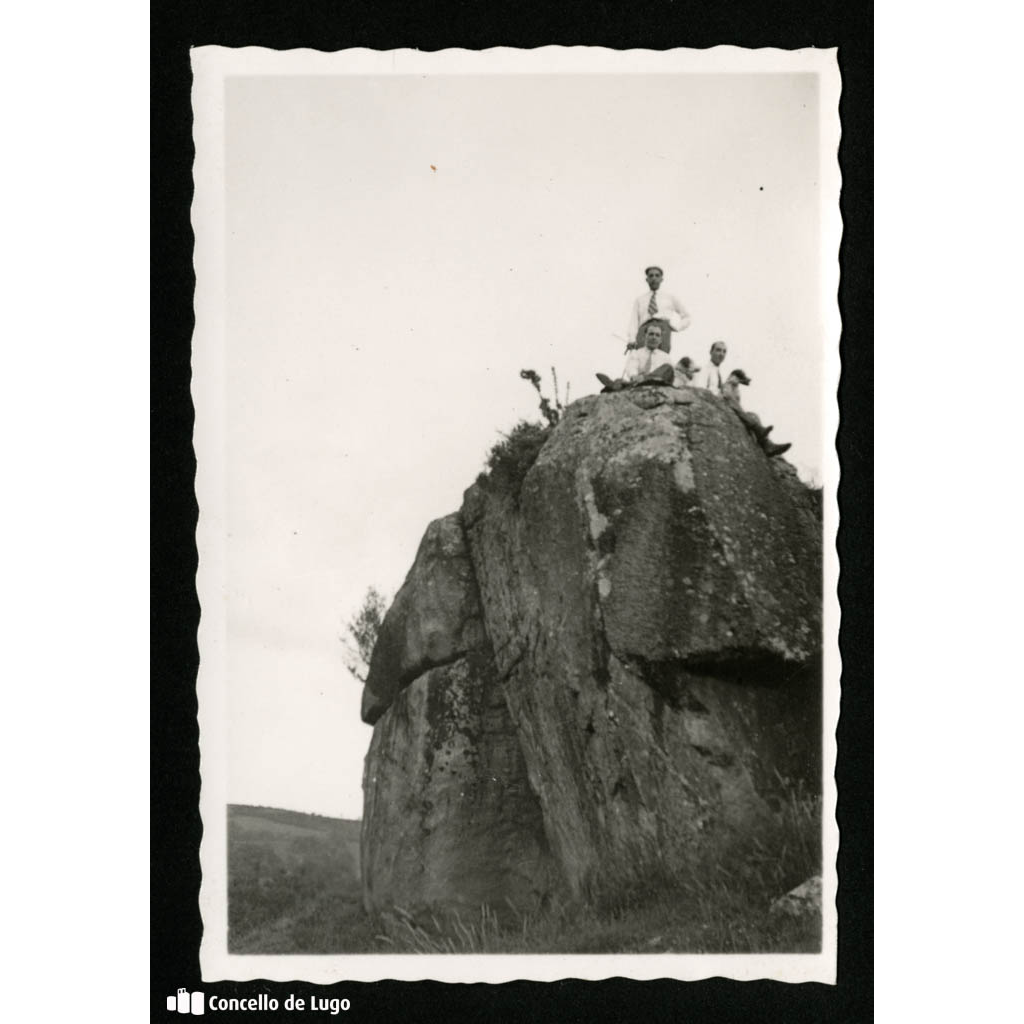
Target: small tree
552, 413
361, 631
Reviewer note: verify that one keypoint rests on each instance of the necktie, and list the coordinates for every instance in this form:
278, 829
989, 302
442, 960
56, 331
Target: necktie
652, 306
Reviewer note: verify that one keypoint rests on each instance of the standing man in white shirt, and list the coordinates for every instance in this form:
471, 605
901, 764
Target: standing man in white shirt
712, 378
656, 304
649, 364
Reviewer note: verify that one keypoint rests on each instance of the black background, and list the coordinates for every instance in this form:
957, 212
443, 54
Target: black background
176, 828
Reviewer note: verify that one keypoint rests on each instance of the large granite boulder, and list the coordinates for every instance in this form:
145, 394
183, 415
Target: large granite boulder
644, 617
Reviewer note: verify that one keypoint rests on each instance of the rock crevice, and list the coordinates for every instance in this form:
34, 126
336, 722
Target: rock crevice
434, 619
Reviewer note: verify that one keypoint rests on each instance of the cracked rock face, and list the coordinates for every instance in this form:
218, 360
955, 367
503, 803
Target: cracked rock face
640, 627
450, 819
434, 618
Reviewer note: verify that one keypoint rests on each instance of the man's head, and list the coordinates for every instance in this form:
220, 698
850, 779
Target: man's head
686, 366
739, 376
652, 335
654, 276
718, 352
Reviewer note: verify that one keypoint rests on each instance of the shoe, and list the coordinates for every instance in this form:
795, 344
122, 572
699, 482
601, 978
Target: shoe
772, 450
610, 385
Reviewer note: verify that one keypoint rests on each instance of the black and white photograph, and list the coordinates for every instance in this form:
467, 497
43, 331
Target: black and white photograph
515, 375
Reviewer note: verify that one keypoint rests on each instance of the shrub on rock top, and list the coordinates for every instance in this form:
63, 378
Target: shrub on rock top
511, 458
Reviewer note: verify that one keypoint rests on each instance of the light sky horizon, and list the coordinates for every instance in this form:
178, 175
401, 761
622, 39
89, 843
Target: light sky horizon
397, 249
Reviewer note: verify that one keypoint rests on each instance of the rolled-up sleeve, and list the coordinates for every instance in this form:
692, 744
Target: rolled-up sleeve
634, 322
681, 310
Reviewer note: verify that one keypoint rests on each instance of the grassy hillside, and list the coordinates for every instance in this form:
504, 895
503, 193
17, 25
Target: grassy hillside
293, 883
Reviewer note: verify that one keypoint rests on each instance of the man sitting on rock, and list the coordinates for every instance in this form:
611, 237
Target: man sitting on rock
685, 371
712, 378
731, 394
647, 365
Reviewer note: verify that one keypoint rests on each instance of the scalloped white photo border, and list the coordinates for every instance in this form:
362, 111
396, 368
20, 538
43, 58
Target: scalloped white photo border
211, 66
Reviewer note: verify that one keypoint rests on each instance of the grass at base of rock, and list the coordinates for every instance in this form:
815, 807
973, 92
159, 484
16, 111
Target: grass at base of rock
719, 917
723, 915
314, 908
716, 920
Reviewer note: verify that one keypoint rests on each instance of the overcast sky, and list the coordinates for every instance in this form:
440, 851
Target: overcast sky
397, 248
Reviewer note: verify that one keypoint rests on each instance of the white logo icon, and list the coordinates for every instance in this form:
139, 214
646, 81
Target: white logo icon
182, 1003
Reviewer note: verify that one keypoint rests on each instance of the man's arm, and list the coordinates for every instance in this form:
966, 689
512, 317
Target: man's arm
632, 367
634, 324
680, 309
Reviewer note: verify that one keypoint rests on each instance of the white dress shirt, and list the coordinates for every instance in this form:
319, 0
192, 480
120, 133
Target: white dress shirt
711, 377
643, 360
668, 308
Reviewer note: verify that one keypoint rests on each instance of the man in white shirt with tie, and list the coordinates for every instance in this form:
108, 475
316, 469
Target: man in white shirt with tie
656, 304
649, 364
712, 378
